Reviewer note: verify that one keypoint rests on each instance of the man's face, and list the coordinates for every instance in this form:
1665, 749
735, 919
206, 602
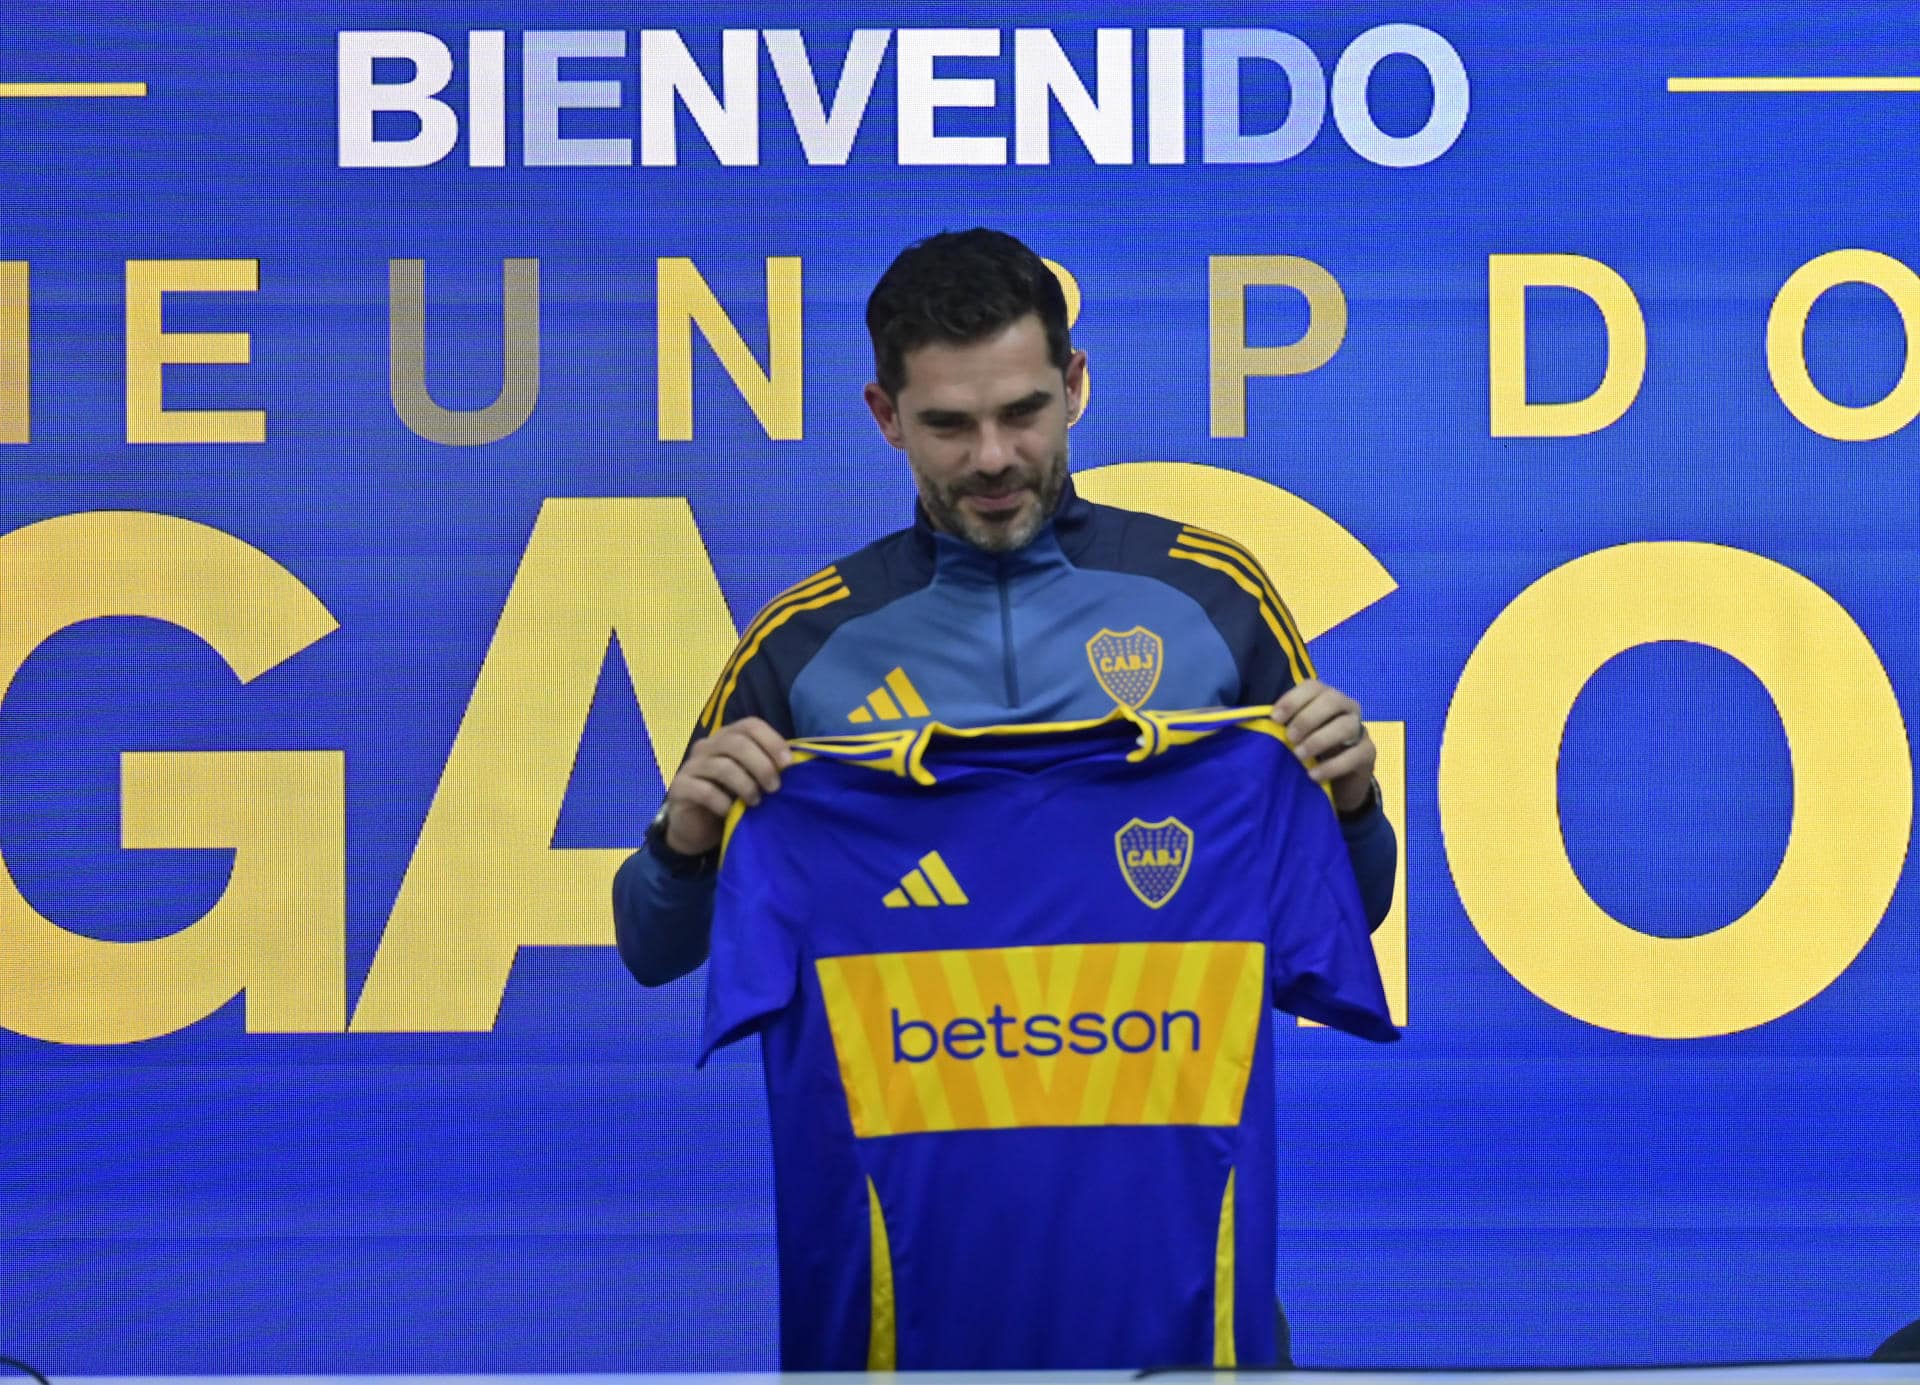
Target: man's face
984, 427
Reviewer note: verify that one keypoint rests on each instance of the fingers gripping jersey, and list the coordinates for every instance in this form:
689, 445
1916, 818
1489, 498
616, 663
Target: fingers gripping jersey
1013, 988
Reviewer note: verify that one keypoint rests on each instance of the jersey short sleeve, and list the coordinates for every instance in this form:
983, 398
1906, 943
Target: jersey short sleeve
753, 973
1321, 962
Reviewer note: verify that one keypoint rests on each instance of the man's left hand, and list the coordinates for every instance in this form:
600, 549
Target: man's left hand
1323, 725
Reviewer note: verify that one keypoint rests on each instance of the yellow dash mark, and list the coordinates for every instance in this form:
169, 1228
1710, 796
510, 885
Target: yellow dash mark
916, 886
1794, 84
41, 89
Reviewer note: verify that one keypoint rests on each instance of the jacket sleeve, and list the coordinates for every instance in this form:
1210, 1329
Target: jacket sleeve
1372, 847
662, 922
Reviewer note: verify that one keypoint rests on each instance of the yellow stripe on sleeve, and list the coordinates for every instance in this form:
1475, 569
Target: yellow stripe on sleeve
748, 650
1220, 543
1197, 535
824, 580
1300, 674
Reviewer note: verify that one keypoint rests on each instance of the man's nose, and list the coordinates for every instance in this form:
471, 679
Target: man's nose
996, 452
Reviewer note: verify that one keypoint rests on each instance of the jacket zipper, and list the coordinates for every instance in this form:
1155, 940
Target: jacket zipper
1006, 639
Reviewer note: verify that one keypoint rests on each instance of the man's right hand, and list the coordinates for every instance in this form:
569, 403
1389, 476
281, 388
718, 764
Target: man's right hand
740, 761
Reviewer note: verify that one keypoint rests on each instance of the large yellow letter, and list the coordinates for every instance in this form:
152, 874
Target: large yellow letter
1508, 279
16, 336
1499, 803
278, 931
149, 348
485, 879
519, 357
1787, 345
1231, 361
682, 300
1326, 576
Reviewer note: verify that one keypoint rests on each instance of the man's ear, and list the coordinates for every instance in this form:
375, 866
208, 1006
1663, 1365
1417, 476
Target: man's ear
1075, 373
886, 413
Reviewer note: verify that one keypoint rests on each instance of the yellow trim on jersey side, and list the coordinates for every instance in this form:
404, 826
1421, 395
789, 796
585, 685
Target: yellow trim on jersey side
1224, 1350
881, 1352
1206, 538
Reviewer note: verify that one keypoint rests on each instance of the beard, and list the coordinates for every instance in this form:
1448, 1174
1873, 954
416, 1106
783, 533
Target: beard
1041, 486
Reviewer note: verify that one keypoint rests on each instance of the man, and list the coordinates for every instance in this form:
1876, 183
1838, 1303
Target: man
1009, 599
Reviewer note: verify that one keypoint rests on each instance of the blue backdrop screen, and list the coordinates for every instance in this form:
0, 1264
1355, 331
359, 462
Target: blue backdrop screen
401, 410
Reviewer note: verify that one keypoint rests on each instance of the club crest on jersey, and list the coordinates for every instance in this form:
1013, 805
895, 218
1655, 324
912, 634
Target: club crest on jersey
1154, 857
1127, 664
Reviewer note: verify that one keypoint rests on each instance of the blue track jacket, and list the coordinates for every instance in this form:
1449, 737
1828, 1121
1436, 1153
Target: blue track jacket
1104, 606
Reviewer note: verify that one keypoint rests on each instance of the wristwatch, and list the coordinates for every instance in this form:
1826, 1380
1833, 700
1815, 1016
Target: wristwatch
1365, 810
678, 864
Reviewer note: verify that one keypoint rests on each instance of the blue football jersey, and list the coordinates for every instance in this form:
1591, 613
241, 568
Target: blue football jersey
1012, 987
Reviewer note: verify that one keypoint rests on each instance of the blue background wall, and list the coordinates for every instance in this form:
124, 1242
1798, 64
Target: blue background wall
555, 1188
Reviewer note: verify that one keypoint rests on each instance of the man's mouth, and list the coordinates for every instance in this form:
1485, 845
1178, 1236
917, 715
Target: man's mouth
998, 503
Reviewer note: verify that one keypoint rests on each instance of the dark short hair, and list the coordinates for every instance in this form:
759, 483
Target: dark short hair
960, 287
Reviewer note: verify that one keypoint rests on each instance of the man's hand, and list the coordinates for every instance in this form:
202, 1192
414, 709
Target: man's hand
742, 760
1323, 724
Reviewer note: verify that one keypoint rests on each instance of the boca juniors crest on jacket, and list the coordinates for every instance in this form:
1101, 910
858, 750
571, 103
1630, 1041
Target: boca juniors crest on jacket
1013, 990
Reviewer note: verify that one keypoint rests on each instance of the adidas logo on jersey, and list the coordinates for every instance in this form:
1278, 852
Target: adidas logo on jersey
895, 699
928, 886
